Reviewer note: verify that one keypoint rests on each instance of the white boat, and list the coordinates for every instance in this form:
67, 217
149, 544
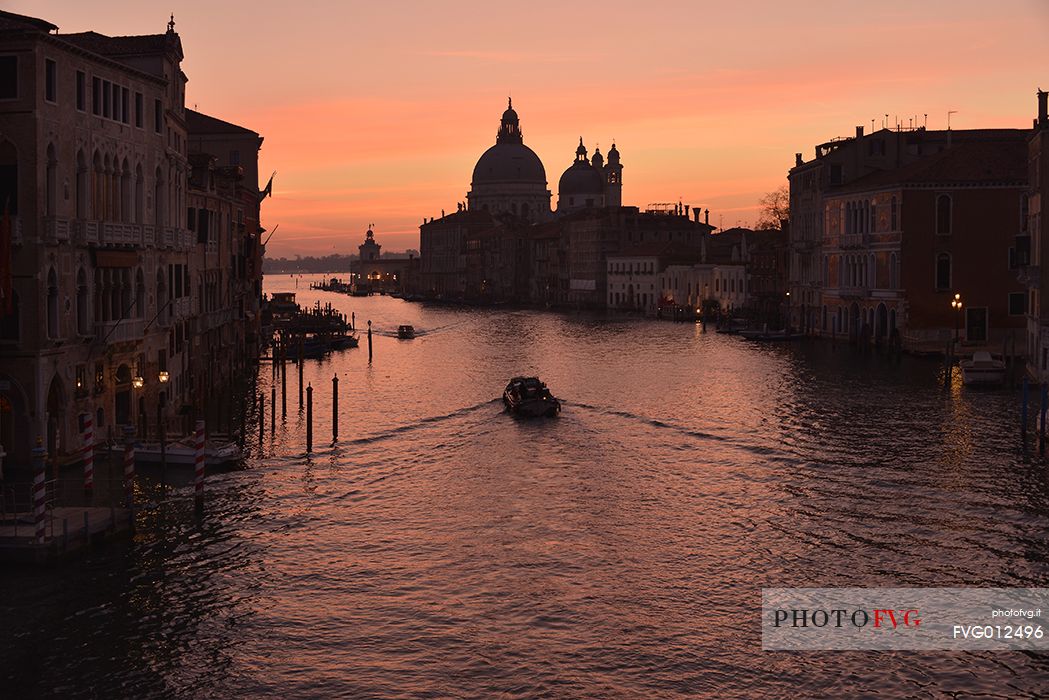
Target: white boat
182, 452
982, 369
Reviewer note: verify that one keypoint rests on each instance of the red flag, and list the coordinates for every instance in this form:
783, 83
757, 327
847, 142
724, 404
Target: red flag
7, 305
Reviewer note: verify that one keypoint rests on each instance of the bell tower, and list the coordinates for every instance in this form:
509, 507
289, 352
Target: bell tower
613, 179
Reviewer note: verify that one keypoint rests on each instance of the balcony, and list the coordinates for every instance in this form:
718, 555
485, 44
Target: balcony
149, 236
854, 292
122, 331
56, 229
854, 240
168, 237
85, 232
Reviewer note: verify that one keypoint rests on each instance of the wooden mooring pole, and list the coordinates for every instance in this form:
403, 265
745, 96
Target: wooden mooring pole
1041, 415
262, 416
369, 341
273, 410
1023, 413
335, 408
309, 419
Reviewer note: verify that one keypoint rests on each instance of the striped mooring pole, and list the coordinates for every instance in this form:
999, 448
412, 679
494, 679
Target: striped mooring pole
198, 440
88, 452
129, 464
39, 490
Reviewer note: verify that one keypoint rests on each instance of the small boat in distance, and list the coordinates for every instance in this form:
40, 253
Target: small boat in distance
528, 396
982, 369
406, 332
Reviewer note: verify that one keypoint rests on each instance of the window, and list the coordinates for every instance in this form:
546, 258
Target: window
81, 89
138, 109
117, 114
50, 80
234, 157
836, 175
893, 216
943, 215
96, 96
1018, 304
125, 115
943, 271
1025, 212
107, 99
8, 77
158, 117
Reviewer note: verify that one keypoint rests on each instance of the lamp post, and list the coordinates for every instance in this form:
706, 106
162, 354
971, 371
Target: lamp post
956, 304
787, 325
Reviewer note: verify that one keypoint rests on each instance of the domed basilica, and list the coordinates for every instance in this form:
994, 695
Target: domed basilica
510, 178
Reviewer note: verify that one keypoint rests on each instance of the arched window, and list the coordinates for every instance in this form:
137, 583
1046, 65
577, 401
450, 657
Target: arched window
873, 218
140, 195
125, 192
158, 196
848, 218
98, 188
51, 182
943, 271
893, 279
81, 186
82, 315
52, 304
8, 178
943, 214
10, 324
140, 294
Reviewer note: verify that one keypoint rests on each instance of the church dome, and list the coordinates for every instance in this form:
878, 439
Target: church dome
580, 179
509, 162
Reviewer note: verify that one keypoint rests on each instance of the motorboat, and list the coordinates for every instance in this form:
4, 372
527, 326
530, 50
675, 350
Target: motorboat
406, 332
983, 369
182, 452
528, 396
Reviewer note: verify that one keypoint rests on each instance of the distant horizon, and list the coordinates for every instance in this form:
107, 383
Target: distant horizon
373, 114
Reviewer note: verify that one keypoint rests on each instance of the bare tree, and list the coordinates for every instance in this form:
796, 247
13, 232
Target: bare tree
773, 208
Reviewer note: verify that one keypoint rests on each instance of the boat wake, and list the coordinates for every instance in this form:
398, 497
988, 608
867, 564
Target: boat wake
420, 423
655, 422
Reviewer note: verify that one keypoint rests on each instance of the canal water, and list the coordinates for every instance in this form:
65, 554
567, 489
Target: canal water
443, 549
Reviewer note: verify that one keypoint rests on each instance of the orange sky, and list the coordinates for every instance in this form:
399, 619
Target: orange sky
377, 111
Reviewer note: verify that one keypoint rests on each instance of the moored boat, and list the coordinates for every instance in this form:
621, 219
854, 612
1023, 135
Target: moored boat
767, 335
182, 452
983, 368
528, 396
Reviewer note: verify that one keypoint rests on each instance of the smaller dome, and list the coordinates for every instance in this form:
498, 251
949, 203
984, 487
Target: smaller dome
613, 154
581, 151
598, 160
580, 179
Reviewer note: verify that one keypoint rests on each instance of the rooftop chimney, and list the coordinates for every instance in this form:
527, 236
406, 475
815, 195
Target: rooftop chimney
797, 159
1043, 109
706, 217
695, 214
859, 132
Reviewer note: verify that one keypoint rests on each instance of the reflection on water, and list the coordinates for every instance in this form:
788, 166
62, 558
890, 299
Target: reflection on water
444, 548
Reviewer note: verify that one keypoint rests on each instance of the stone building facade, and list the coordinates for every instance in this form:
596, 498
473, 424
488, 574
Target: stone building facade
94, 167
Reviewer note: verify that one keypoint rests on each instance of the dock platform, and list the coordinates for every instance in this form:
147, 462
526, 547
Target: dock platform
67, 529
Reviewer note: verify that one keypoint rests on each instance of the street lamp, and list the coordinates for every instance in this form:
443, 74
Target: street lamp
163, 376
956, 304
137, 382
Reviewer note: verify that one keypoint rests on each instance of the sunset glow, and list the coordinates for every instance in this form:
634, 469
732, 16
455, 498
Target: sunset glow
376, 112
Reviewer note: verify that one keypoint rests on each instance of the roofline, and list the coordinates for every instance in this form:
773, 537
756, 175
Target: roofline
57, 40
